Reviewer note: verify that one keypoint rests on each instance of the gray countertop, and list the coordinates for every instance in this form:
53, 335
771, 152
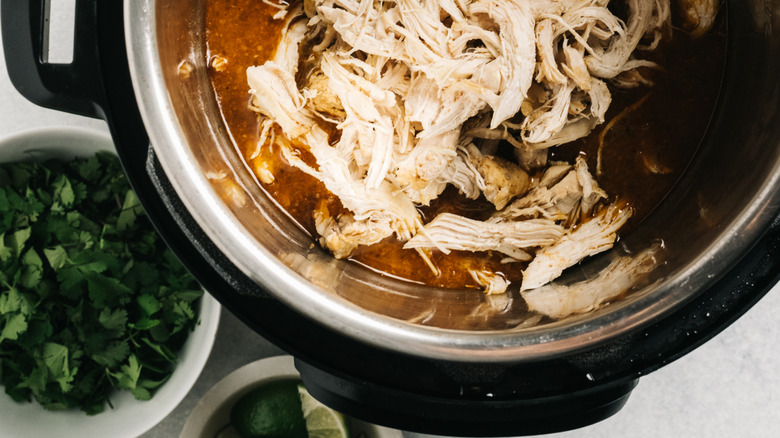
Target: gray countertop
730, 387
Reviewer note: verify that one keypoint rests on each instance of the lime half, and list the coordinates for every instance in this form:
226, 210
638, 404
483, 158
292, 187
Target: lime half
270, 410
321, 421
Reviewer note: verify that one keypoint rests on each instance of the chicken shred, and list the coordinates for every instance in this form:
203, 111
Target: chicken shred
592, 237
492, 282
558, 301
422, 91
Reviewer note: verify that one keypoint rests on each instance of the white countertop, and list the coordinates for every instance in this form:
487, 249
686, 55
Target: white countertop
730, 387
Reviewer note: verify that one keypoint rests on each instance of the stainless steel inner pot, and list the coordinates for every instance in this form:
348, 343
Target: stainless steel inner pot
717, 211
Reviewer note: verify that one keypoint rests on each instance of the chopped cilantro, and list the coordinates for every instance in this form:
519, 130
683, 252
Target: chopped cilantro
91, 299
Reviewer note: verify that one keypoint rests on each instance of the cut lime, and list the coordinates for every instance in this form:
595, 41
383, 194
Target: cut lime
272, 410
228, 432
321, 421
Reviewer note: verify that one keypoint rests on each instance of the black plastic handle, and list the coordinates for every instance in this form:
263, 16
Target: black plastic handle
76, 87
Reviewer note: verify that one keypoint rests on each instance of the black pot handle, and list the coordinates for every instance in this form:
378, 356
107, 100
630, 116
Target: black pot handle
76, 87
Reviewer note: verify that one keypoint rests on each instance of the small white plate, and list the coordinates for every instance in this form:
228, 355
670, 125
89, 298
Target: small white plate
212, 413
129, 417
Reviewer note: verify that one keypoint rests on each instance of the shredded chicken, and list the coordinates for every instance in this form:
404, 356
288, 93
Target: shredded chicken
452, 232
503, 180
591, 237
564, 193
421, 92
493, 283
558, 301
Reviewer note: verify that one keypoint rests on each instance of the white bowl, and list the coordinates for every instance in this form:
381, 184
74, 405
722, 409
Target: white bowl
129, 417
212, 413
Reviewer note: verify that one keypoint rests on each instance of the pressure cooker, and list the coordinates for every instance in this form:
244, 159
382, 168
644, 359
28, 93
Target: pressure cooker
347, 326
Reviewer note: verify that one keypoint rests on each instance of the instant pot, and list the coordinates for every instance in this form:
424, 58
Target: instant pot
141, 65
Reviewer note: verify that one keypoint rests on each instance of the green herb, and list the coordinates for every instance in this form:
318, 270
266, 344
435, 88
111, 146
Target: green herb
91, 299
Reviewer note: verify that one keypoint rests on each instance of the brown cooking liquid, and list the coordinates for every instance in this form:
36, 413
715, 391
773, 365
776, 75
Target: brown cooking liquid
642, 156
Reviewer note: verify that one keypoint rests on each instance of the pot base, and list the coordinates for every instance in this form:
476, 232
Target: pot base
466, 416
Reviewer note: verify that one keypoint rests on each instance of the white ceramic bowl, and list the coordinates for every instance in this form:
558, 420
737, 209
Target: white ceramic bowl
129, 417
212, 413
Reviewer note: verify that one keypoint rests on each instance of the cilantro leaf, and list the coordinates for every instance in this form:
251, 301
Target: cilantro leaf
149, 305
11, 301
188, 296
17, 240
55, 357
114, 320
33, 269
105, 291
36, 380
5, 251
38, 330
71, 282
145, 323
128, 374
5, 206
131, 208
89, 169
57, 257
15, 325
91, 299
112, 355
63, 192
